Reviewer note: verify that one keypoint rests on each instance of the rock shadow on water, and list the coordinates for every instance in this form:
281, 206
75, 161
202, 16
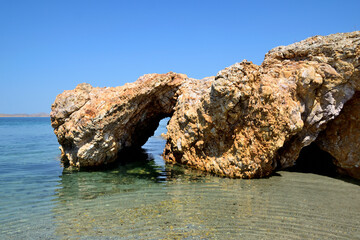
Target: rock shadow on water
134, 169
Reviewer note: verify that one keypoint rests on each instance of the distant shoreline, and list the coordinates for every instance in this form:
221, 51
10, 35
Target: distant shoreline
25, 115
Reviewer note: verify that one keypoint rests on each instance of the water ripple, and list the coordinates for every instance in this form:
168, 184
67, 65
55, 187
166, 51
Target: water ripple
148, 199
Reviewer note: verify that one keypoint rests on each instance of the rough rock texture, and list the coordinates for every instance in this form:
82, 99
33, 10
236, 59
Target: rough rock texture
329, 78
254, 119
342, 138
94, 124
246, 122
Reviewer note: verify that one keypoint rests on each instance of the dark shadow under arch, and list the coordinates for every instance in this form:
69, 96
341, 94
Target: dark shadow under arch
314, 160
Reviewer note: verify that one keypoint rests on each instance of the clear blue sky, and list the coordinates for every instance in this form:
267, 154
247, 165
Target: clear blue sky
50, 46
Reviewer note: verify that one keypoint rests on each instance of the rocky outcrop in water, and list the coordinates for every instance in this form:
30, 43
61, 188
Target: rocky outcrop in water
94, 124
246, 122
254, 119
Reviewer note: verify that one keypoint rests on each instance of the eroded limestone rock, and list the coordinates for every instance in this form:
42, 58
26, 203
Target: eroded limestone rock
254, 119
342, 138
94, 124
246, 122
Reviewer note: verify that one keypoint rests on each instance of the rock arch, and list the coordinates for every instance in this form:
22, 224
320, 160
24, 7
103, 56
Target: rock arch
94, 124
246, 122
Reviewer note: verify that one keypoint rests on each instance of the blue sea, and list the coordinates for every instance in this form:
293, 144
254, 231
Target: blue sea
144, 198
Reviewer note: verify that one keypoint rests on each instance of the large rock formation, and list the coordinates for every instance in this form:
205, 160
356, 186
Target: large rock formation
246, 122
94, 124
254, 119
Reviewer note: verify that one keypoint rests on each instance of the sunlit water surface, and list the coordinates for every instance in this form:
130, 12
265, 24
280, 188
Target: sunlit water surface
146, 199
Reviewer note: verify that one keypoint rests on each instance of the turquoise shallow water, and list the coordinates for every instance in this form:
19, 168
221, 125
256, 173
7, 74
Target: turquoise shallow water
147, 199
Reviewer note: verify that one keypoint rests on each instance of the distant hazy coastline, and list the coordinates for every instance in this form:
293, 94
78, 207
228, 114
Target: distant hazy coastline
25, 115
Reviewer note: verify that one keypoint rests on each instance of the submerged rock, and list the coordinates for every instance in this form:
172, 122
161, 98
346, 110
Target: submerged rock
246, 122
